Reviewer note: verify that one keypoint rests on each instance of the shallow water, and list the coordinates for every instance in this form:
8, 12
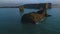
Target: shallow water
10, 22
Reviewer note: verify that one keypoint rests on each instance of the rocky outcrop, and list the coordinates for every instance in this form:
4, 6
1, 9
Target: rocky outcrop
37, 6
32, 17
21, 8
27, 18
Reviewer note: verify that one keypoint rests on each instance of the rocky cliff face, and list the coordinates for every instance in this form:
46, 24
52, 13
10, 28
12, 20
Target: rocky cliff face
37, 6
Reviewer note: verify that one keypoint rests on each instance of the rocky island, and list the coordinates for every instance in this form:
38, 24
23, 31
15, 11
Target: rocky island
34, 17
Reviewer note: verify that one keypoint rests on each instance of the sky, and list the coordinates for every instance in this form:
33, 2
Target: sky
19, 2
28, 1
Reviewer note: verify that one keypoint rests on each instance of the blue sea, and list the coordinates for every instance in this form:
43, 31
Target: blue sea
10, 22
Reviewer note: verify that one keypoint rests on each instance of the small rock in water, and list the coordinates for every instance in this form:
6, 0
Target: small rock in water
37, 23
48, 15
42, 19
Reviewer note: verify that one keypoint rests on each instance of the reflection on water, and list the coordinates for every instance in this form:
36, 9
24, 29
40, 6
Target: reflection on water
10, 22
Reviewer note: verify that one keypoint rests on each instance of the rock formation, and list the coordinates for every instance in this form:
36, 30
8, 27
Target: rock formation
34, 17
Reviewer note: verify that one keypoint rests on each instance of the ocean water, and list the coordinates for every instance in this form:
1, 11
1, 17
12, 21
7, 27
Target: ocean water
10, 22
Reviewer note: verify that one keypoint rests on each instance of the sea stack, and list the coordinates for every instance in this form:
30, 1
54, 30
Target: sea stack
21, 8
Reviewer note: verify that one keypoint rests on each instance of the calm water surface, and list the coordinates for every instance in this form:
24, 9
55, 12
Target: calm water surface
10, 22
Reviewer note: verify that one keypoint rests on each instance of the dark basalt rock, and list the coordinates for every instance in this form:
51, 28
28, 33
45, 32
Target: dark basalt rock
27, 18
47, 15
37, 6
31, 17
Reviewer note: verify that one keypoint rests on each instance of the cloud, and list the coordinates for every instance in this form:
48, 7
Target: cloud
8, 1
38, 1
21, 1
28, 1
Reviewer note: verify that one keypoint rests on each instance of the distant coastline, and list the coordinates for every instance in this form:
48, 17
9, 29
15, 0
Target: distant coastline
58, 6
10, 7
53, 6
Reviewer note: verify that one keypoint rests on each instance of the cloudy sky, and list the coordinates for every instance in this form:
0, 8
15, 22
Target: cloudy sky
28, 1
14, 2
